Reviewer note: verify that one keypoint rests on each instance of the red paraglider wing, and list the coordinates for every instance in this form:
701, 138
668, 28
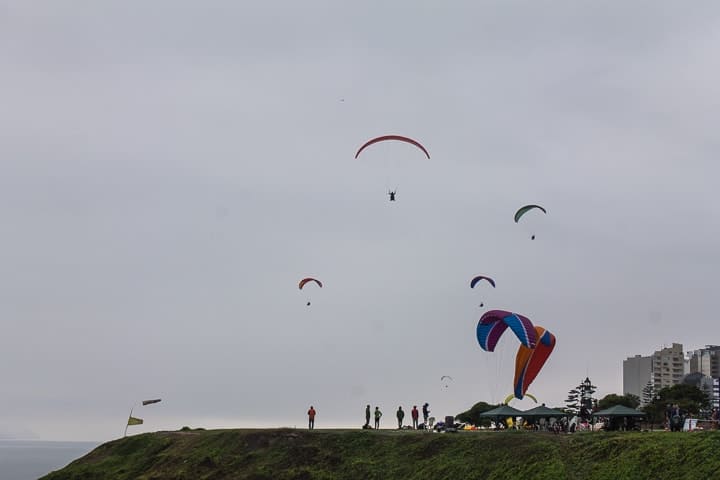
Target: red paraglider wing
393, 137
529, 361
309, 279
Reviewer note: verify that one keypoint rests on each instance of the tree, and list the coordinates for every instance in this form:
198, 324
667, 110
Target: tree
580, 399
689, 398
586, 389
472, 416
571, 403
612, 399
648, 393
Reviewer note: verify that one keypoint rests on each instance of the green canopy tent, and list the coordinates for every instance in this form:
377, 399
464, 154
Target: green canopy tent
502, 411
542, 411
619, 411
615, 413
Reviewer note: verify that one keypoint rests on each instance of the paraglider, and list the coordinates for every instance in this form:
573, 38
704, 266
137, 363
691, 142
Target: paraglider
529, 361
307, 280
445, 379
304, 281
392, 137
494, 323
393, 192
523, 210
477, 279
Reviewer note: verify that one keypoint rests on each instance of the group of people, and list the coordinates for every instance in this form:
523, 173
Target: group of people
400, 415
377, 415
674, 418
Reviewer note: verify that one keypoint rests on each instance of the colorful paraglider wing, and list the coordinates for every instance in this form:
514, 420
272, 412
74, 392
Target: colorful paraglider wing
526, 209
475, 281
494, 323
510, 397
529, 362
393, 137
309, 279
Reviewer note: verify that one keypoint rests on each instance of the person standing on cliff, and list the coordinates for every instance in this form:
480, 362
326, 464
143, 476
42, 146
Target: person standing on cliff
426, 413
400, 415
414, 414
311, 418
367, 416
378, 414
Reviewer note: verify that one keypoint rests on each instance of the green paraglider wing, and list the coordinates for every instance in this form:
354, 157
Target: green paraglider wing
525, 209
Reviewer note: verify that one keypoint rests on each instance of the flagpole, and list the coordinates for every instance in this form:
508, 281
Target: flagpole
128, 422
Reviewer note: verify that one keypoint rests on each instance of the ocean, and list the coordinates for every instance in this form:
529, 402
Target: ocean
30, 460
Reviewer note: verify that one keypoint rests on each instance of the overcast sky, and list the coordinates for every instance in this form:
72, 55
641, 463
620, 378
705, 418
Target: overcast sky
169, 170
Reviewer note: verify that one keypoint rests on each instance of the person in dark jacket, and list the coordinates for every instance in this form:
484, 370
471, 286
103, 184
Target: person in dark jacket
426, 412
400, 415
378, 414
367, 416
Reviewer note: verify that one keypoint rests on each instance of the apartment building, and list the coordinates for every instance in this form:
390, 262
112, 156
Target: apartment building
637, 372
705, 360
668, 366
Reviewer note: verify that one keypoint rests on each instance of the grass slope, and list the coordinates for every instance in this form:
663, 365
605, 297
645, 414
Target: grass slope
344, 454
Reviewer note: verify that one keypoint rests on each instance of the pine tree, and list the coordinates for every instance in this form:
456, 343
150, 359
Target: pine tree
571, 402
648, 393
587, 403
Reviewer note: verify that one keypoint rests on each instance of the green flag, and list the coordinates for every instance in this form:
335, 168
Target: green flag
135, 421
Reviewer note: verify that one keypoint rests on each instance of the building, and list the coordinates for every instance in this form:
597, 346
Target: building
668, 366
705, 360
637, 372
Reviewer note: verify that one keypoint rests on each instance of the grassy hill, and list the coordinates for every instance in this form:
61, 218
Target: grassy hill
345, 454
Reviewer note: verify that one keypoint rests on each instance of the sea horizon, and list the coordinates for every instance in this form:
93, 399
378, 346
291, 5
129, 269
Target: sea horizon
30, 459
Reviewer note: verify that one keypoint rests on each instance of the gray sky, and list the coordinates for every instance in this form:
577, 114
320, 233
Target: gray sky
169, 170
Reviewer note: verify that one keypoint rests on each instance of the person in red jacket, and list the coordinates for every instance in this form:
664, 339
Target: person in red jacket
415, 414
311, 418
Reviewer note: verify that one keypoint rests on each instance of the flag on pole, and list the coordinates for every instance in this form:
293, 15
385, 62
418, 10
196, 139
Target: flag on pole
150, 402
134, 421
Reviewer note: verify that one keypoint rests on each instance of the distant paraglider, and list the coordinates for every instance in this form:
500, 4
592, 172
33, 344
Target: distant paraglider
523, 210
392, 137
446, 379
477, 279
399, 138
304, 281
307, 280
